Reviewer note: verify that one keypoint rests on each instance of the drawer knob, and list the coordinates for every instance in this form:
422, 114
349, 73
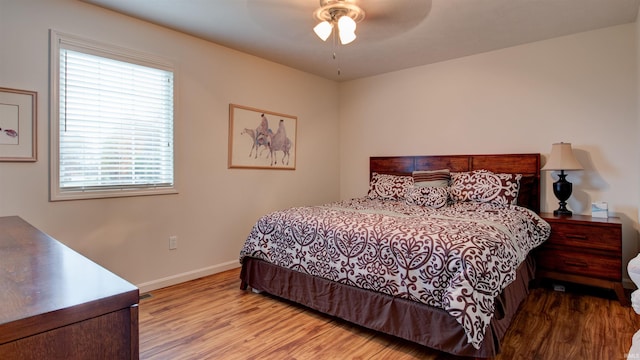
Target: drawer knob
577, 237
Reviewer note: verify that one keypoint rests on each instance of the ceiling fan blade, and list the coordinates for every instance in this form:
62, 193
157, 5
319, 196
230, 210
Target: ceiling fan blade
396, 10
389, 18
285, 7
284, 18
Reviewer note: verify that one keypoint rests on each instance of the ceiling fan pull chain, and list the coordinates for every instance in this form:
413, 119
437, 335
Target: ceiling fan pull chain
334, 56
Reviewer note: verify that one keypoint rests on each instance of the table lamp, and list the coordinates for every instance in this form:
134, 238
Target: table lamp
562, 159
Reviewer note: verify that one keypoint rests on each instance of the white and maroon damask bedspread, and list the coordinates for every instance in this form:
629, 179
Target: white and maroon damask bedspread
457, 258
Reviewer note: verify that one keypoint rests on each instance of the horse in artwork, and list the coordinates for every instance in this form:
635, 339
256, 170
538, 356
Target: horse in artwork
280, 142
257, 142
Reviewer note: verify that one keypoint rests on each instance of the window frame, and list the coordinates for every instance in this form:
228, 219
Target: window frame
60, 40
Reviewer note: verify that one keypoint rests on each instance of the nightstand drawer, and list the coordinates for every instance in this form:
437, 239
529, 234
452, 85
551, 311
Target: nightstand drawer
583, 236
577, 263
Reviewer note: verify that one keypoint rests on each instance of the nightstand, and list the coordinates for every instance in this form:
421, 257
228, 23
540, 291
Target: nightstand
583, 250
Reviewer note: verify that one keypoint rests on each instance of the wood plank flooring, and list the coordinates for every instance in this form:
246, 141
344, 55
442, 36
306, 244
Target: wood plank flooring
211, 318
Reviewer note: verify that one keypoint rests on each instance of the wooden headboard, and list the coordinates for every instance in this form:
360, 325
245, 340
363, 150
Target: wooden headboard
526, 164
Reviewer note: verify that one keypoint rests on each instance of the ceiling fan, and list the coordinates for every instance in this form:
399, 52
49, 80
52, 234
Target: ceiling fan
340, 14
376, 19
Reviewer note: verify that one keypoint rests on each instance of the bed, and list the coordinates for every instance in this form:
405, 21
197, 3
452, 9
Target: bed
358, 259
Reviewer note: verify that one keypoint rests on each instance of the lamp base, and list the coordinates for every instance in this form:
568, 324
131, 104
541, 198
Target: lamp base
562, 190
562, 212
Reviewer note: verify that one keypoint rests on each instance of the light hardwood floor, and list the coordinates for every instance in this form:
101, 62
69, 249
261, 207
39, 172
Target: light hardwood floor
211, 318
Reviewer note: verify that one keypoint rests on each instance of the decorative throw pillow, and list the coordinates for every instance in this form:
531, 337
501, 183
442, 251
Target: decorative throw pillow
433, 196
485, 186
429, 178
388, 187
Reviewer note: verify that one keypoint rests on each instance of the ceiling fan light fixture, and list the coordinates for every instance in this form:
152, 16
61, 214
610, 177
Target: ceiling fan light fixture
347, 30
347, 37
344, 13
345, 23
323, 30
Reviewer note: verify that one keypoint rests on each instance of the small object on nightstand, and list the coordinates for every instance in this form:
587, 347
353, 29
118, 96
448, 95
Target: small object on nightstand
599, 209
558, 287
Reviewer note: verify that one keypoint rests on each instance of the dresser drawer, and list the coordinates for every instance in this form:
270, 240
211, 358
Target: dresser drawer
584, 236
577, 263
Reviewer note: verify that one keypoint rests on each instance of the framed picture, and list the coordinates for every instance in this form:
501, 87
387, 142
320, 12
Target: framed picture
17, 125
261, 139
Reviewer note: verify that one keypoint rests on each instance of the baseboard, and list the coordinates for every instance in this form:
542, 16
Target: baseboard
186, 276
210, 270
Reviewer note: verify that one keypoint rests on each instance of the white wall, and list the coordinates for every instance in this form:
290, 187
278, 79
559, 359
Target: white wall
216, 207
580, 89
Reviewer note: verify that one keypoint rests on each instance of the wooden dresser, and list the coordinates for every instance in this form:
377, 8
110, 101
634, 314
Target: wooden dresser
57, 304
584, 250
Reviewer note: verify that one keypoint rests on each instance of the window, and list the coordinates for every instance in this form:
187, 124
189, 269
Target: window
111, 121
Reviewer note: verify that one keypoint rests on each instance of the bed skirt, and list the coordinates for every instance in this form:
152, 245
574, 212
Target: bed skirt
409, 320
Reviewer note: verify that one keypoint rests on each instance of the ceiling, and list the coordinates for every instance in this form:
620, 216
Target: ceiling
395, 34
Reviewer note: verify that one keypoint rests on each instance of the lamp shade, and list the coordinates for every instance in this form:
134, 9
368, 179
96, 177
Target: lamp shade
347, 24
562, 158
323, 30
347, 37
347, 28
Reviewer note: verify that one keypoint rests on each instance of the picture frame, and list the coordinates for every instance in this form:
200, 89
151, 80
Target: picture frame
261, 139
18, 125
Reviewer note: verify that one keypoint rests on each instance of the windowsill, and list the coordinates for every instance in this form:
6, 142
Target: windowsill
97, 194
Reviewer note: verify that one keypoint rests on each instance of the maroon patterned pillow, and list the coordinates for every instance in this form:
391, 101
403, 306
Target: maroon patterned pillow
429, 196
485, 186
388, 187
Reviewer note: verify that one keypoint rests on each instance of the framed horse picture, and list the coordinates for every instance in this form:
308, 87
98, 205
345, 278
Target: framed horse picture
18, 125
261, 139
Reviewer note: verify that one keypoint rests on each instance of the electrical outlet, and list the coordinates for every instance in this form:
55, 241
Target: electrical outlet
173, 242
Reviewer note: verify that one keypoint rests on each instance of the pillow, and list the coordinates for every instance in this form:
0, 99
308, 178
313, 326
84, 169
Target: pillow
388, 187
485, 186
437, 178
432, 196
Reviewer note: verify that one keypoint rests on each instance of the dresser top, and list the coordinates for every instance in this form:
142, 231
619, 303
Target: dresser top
44, 284
580, 218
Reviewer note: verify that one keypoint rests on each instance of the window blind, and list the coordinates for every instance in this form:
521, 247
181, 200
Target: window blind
115, 124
